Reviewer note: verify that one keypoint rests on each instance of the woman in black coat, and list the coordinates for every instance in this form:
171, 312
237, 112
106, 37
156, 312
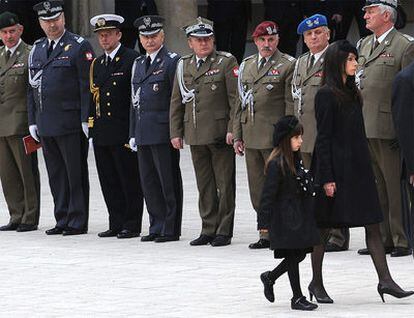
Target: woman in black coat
342, 165
285, 210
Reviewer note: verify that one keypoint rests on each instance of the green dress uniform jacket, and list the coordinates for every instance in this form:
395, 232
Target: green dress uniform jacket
376, 74
202, 112
18, 171
272, 99
305, 85
210, 118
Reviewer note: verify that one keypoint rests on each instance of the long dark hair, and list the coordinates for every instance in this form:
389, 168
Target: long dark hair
284, 154
333, 69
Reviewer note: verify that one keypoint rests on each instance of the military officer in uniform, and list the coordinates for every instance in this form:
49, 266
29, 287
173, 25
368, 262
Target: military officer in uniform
18, 172
381, 56
110, 82
159, 162
202, 105
58, 106
265, 96
307, 78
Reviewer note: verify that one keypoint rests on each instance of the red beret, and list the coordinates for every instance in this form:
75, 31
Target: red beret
265, 28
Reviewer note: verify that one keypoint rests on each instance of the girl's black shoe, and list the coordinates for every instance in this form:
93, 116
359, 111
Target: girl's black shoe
268, 286
302, 304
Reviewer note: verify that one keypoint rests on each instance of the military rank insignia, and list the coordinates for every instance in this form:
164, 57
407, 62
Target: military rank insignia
213, 87
269, 87
212, 72
273, 72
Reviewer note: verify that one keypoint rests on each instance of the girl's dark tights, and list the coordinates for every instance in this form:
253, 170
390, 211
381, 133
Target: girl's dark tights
290, 264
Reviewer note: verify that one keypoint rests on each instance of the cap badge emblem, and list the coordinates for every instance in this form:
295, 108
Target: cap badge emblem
46, 5
147, 21
101, 22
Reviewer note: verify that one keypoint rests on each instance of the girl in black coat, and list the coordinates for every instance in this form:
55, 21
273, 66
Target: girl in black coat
342, 165
285, 210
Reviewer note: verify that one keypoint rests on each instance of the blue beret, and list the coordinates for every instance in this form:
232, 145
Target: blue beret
312, 22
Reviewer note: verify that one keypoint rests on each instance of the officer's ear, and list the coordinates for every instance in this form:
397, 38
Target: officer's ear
119, 34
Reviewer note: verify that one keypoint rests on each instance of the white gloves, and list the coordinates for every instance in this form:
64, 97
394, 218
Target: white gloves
85, 129
132, 144
34, 132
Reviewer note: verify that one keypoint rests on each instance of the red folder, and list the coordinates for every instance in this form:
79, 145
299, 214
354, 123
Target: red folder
30, 145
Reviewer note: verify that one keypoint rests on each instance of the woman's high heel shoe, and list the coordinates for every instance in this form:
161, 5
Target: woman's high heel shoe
320, 295
383, 289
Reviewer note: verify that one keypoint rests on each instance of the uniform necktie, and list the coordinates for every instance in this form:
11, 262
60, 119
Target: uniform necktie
375, 45
262, 63
107, 60
50, 48
147, 63
311, 62
8, 54
200, 63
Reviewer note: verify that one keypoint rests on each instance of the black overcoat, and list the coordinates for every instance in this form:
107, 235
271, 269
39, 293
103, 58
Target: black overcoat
287, 212
341, 155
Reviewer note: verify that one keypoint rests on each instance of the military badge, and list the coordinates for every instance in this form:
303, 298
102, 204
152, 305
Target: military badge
386, 55
269, 87
219, 61
67, 47
157, 72
18, 65
101, 22
117, 59
46, 5
155, 87
213, 87
89, 56
236, 71
147, 21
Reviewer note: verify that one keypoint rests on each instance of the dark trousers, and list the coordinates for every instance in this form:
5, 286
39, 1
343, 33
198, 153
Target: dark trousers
231, 36
352, 8
66, 162
119, 178
287, 14
159, 167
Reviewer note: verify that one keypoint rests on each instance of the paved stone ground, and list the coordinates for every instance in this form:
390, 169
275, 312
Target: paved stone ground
85, 276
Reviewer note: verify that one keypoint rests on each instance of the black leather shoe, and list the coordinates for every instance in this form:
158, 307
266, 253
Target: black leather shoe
166, 238
127, 234
149, 238
221, 240
330, 247
262, 243
54, 231
268, 286
72, 231
9, 227
202, 240
384, 289
401, 251
320, 294
365, 251
26, 228
108, 233
302, 304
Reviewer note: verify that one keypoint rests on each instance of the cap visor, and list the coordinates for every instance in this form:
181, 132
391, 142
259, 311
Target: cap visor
51, 17
105, 28
201, 35
145, 33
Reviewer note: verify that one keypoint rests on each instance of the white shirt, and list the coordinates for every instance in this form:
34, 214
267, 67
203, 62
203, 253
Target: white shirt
319, 54
56, 40
113, 53
260, 58
154, 54
14, 48
382, 37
